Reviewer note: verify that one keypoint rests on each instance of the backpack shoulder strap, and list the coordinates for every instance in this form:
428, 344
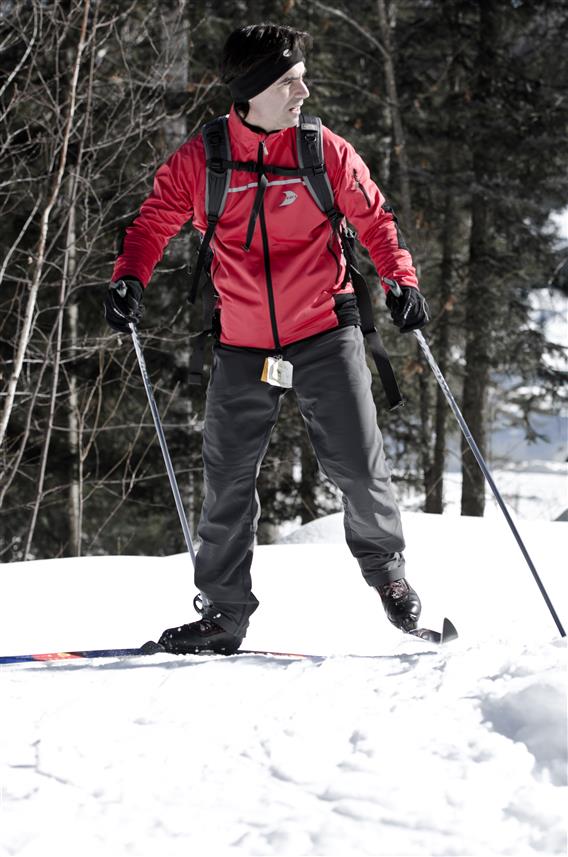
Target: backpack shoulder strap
217, 144
217, 153
309, 143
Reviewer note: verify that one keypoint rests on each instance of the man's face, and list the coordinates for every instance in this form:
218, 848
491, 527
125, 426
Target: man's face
279, 106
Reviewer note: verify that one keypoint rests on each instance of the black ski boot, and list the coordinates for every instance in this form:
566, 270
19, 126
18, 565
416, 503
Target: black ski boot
200, 636
401, 603
205, 635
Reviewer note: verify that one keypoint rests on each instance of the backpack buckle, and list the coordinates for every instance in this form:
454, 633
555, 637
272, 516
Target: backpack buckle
336, 218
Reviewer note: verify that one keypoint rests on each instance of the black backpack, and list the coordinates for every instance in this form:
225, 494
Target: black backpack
313, 171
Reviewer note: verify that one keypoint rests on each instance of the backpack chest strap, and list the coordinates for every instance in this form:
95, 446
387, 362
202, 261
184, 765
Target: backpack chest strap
271, 169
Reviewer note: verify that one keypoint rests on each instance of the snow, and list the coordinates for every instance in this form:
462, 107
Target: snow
531, 489
559, 222
378, 744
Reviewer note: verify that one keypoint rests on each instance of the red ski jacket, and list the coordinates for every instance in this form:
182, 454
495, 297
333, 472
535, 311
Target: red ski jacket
283, 288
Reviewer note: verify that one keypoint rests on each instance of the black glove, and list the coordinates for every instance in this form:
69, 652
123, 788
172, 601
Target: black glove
123, 304
409, 311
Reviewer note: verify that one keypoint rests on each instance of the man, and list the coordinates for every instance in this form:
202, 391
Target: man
288, 316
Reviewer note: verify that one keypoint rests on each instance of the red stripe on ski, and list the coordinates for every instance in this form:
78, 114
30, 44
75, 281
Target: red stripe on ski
57, 656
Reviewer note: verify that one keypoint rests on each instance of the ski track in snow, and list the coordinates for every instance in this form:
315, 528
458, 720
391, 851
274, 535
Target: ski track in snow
457, 751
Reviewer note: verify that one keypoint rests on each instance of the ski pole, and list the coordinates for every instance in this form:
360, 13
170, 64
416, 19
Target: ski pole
163, 444
480, 460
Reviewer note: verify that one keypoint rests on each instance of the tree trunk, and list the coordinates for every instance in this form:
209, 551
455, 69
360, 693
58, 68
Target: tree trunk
309, 481
43, 231
476, 361
66, 276
74, 500
175, 53
399, 143
425, 427
481, 288
450, 245
396, 119
435, 500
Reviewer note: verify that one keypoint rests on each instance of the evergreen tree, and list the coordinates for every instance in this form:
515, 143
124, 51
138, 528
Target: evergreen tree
95, 96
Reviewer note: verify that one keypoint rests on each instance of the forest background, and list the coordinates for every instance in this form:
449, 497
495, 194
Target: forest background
460, 109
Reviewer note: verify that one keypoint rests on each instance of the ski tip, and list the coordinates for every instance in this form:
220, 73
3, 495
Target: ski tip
426, 634
448, 634
151, 648
449, 631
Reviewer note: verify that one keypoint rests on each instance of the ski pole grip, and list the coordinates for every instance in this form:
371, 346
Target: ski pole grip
393, 286
120, 287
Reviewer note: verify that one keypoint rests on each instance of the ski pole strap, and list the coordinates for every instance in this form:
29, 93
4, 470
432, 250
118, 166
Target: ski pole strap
370, 332
385, 370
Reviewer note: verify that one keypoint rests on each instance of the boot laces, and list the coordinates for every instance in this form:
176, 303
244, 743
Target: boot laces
396, 590
206, 626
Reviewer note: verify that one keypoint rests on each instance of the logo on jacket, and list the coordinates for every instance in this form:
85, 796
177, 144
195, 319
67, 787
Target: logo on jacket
289, 198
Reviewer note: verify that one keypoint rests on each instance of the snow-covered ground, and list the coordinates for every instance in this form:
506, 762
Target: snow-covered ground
383, 746
534, 490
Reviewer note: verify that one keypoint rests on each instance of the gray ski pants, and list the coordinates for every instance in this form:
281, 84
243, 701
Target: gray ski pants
332, 384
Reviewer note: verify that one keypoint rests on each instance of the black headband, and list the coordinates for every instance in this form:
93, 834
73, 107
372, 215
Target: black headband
261, 76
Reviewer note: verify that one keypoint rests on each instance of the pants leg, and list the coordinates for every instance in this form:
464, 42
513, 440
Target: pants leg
333, 387
240, 413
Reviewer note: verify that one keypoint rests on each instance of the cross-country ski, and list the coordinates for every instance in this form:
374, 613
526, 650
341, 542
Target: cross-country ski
149, 648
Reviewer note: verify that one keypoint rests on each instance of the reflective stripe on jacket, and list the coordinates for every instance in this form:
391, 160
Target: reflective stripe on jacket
283, 287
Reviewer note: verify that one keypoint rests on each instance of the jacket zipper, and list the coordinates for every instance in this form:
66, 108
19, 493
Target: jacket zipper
361, 188
269, 278
331, 250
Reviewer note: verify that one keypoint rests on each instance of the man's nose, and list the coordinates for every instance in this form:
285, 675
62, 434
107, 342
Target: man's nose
302, 89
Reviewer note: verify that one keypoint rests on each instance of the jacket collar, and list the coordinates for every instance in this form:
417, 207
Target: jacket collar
246, 139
